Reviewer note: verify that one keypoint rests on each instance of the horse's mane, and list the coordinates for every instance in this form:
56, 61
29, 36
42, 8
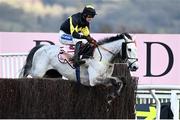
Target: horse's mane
114, 38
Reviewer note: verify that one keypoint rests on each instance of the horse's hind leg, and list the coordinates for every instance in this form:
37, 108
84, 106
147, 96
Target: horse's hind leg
39, 68
38, 72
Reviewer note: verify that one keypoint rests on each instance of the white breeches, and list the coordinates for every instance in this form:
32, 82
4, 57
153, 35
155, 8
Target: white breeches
67, 39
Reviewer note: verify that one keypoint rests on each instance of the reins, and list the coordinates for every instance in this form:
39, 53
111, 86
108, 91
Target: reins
136, 59
106, 50
97, 46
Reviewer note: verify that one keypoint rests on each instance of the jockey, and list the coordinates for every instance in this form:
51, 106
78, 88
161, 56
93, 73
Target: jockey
75, 31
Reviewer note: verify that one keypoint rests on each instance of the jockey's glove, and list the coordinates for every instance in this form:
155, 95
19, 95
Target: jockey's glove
83, 37
91, 40
94, 43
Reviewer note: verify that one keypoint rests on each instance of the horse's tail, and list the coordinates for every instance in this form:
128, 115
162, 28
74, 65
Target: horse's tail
28, 64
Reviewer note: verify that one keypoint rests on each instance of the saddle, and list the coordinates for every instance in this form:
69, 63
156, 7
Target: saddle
66, 53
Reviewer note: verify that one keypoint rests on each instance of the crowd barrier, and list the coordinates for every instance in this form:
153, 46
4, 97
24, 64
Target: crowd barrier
11, 64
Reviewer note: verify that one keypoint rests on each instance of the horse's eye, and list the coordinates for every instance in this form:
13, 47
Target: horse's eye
129, 50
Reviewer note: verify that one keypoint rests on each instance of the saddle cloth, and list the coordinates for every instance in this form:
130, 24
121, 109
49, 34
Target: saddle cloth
66, 53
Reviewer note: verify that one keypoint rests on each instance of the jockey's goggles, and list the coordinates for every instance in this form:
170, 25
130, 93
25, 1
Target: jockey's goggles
90, 16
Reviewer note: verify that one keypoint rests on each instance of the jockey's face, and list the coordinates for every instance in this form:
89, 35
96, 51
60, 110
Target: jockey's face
89, 18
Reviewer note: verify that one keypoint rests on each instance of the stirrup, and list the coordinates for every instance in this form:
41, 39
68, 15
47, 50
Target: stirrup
78, 63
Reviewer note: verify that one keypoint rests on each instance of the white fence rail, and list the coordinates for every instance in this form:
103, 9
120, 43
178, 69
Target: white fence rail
11, 64
147, 94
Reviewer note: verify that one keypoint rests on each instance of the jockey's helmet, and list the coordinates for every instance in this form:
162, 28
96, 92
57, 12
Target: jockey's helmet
89, 11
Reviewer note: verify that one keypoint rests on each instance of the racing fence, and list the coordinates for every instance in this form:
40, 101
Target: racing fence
57, 98
11, 63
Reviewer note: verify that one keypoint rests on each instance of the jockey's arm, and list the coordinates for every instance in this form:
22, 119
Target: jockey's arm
85, 31
79, 36
88, 38
74, 29
86, 35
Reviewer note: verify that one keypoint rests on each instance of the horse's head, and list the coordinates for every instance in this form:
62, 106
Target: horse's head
129, 52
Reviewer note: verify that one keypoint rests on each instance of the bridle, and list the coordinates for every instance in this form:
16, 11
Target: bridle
123, 55
124, 51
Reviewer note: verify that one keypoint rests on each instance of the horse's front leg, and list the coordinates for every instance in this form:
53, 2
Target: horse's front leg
98, 74
117, 85
95, 78
115, 82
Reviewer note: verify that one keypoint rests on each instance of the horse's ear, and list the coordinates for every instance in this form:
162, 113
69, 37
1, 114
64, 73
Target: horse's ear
123, 35
127, 35
120, 35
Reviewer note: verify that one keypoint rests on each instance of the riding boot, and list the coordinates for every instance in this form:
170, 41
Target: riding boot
76, 57
88, 51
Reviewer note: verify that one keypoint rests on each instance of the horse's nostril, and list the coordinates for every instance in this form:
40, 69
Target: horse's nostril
134, 67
